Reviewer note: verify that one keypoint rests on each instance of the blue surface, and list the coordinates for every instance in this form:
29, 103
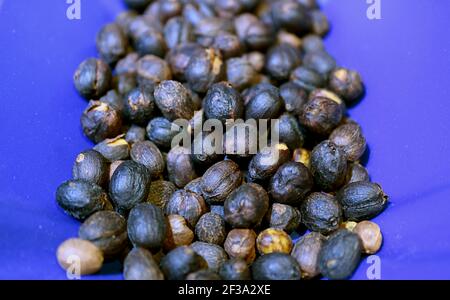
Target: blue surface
404, 59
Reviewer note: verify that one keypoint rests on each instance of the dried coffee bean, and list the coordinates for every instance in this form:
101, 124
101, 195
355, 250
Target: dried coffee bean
210, 28
178, 58
147, 154
114, 149
89, 256
147, 38
328, 166
267, 161
179, 233
214, 255
307, 79
253, 33
112, 43
139, 105
140, 265
357, 172
100, 121
306, 252
223, 102
320, 25
177, 31
289, 131
204, 69
169, 8
152, 70
319, 61
291, 15
256, 60
312, 43
350, 138
159, 131
203, 275
160, 193
173, 100
228, 44
126, 83
92, 78
281, 60
125, 18
262, 101
276, 266
235, 269
273, 240
180, 262
241, 243
107, 230
135, 134
220, 180
291, 183
347, 84
147, 226
180, 166
370, 235
246, 206
362, 200
80, 199
194, 186
189, 205
321, 115
340, 255
241, 73
127, 65
231, 8
113, 99
284, 37
321, 212
284, 217
218, 209
210, 228
196, 100
90, 165
294, 97
129, 185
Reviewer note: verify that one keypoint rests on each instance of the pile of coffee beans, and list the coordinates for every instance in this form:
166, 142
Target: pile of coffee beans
167, 212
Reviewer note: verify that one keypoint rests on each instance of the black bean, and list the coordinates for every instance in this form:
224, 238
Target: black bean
276, 266
129, 185
321, 212
147, 226
80, 199
140, 265
180, 262
107, 230
340, 255
90, 165
362, 200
